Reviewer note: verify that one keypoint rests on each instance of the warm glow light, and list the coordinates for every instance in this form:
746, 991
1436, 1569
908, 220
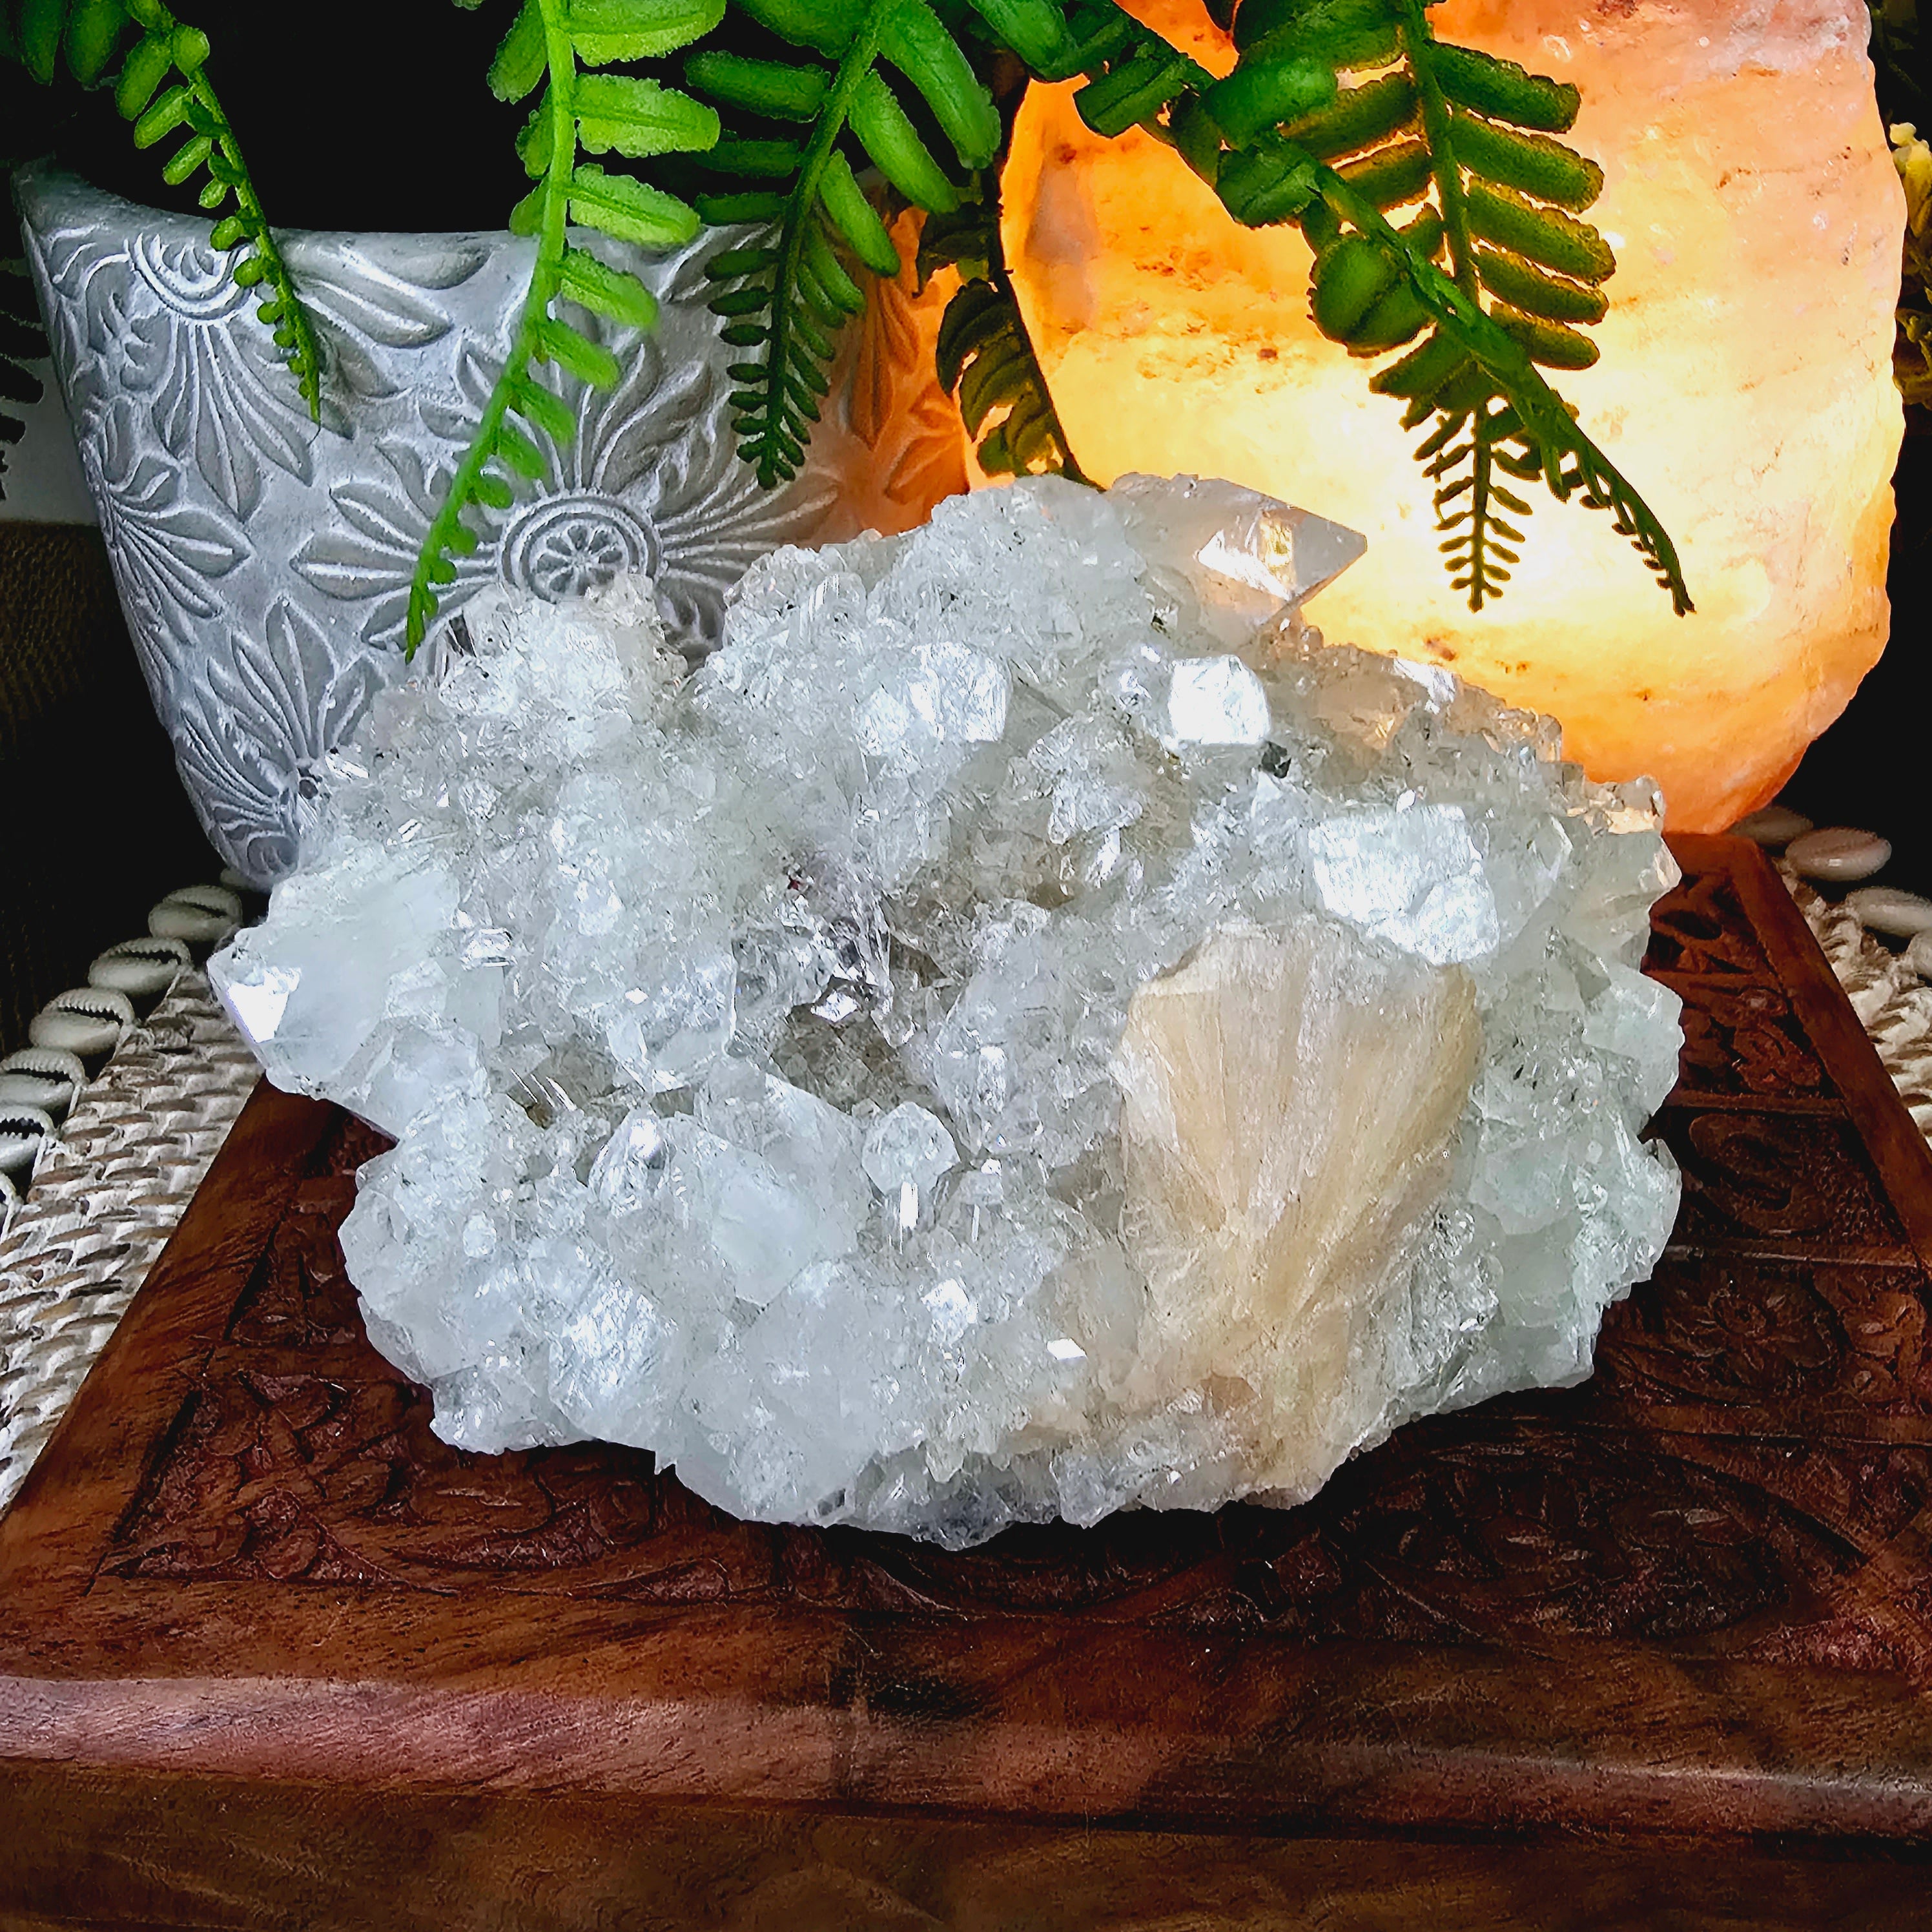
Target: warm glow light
1744, 387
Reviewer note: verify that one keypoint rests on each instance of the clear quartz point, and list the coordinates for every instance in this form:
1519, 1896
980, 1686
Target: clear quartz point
905, 1154
1248, 559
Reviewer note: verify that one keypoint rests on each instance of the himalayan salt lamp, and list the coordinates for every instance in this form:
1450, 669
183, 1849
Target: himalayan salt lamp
1745, 386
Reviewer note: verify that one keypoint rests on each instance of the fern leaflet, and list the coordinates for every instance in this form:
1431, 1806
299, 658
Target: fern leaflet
162, 86
550, 43
787, 299
985, 357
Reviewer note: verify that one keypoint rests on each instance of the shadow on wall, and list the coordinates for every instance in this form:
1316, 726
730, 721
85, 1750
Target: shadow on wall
98, 826
43, 480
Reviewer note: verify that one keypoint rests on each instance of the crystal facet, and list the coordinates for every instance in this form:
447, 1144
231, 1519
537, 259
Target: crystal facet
1024, 1031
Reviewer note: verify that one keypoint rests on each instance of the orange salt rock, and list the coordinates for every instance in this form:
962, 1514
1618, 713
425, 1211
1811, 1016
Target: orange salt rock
1744, 387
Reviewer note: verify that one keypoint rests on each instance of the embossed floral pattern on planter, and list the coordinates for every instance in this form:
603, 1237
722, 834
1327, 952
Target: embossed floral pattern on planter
263, 560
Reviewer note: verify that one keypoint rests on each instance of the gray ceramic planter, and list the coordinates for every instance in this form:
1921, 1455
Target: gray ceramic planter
263, 562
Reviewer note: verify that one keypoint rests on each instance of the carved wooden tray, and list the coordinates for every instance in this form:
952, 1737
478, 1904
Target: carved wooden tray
1656, 1650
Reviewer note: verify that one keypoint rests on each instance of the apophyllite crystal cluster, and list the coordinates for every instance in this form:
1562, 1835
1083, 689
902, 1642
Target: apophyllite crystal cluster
1022, 1030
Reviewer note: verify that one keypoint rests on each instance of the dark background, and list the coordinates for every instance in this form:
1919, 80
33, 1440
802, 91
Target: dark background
1874, 767
363, 114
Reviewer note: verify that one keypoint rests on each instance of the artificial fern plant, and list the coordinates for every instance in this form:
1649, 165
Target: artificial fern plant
1444, 214
1337, 113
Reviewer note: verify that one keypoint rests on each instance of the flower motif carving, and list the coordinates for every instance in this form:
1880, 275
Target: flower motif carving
215, 392
908, 424
361, 306
255, 732
650, 482
363, 555
567, 545
660, 444
166, 549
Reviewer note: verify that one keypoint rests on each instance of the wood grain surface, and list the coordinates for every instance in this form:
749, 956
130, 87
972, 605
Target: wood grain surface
1656, 1650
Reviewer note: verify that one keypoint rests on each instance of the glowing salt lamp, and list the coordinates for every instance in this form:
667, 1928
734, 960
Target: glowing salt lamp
1744, 385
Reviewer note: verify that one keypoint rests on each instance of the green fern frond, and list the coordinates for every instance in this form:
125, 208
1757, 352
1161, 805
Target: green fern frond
786, 303
552, 42
162, 86
985, 357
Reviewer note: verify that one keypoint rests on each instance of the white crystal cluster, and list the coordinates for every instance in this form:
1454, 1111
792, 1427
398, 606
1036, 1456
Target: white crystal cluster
1022, 1030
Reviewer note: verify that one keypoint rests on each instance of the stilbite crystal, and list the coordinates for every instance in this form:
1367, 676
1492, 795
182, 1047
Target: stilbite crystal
1023, 1030
1290, 1100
